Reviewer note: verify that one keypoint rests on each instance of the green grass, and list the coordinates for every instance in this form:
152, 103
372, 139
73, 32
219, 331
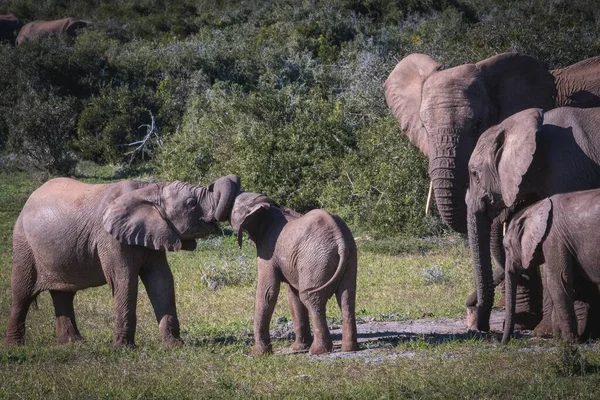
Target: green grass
394, 282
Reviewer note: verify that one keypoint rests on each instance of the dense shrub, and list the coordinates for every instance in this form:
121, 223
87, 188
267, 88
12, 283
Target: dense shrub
287, 94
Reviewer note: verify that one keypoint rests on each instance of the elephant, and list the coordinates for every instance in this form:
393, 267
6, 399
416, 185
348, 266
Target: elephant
558, 231
9, 27
71, 236
443, 112
315, 254
42, 29
527, 157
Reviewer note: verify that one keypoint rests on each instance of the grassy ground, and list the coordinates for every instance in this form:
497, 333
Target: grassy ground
397, 279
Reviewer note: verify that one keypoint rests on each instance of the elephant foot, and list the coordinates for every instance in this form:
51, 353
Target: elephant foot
352, 346
320, 348
300, 347
527, 321
471, 318
261, 349
543, 329
69, 338
14, 341
172, 342
124, 343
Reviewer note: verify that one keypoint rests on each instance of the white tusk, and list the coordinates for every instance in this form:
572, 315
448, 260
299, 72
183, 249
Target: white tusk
504, 229
429, 198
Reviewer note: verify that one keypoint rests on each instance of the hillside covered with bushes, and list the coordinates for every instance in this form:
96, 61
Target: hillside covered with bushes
286, 94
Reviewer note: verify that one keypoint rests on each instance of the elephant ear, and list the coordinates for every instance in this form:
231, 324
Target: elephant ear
517, 82
403, 94
534, 230
134, 219
246, 217
516, 147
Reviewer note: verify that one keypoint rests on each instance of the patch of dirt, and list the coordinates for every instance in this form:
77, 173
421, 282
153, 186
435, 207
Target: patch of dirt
377, 336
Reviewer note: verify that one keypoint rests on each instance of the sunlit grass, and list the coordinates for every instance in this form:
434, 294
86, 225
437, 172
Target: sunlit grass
414, 279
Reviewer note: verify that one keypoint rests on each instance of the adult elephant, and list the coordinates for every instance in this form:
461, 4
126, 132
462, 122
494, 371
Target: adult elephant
9, 27
527, 157
71, 236
42, 29
443, 112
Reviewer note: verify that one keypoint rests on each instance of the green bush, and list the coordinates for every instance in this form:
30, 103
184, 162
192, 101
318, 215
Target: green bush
287, 94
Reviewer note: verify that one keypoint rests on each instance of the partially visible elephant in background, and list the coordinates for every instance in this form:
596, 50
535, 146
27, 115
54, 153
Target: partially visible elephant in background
42, 29
9, 27
315, 254
527, 157
71, 236
562, 232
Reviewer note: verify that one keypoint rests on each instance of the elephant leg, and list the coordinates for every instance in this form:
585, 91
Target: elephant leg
345, 295
122, 277
301, 324
544, 327
560, 282
66, 328
23, 292
315, 303
582, 314
267, 291
158, 281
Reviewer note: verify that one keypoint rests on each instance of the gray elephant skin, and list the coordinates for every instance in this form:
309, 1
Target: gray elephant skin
528, 157
561, 232
70, 236
443, 112
9, 27
36, 30
315, 254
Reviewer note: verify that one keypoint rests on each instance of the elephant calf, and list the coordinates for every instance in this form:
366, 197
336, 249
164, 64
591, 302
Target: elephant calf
71, 236
562, 232
315, 254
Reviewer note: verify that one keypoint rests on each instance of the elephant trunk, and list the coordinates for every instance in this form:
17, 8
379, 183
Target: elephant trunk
448, 173
479, 227
225, 191
510, 306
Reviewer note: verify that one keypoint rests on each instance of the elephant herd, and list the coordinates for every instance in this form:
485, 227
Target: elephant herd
510, 145
14, 31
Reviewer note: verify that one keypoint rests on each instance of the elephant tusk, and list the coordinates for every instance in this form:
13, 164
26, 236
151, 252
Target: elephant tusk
428, 203
504, 229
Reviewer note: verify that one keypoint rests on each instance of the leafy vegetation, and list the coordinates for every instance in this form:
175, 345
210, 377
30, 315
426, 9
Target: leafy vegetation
286, 94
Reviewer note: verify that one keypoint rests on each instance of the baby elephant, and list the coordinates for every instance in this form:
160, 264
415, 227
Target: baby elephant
561, 231
315, 254
71, 236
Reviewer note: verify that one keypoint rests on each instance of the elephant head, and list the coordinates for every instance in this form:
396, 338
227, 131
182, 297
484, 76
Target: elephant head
74, 24
522, 244
170, 216
443, 112
497, 171
246, 212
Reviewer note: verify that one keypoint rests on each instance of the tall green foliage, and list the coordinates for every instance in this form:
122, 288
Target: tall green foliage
286, 94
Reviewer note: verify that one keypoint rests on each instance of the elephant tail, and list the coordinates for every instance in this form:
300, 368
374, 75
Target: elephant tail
344, 256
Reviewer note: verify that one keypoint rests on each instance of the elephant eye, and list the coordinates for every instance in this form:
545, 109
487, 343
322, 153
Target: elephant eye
191, 202
475, 176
